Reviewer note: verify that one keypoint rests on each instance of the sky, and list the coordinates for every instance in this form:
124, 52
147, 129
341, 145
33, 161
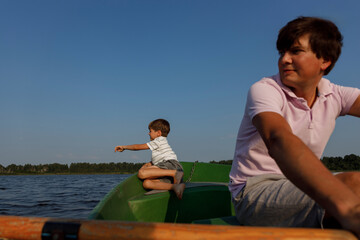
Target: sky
78, 78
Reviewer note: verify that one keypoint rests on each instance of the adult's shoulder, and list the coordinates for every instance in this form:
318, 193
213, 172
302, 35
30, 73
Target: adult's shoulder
265, 95
327, 87
341, 97
267, 87
272, 81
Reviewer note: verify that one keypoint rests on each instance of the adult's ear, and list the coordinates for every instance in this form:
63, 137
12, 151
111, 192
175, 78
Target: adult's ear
325, 64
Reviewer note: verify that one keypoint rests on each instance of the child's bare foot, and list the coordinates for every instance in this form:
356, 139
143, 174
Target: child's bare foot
178, 176
179, 190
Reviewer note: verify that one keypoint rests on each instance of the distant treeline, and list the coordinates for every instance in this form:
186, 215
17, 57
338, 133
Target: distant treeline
348, 163
74, 168
226, 162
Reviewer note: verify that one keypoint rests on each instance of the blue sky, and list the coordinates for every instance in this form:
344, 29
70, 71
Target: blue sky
80, 77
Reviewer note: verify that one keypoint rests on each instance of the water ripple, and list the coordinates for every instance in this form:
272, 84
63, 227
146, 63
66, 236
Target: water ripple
65, 196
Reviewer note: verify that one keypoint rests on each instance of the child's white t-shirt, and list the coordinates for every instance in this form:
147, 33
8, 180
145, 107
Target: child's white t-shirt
161, 150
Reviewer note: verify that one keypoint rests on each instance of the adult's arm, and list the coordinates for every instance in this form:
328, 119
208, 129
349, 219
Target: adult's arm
305, 170
355, 108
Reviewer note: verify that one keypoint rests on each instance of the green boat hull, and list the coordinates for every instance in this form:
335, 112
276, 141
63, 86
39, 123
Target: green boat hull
206, 196
140, 215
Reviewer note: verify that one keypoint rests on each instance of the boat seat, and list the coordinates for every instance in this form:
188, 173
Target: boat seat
204, 184
160, 206
228, 220
190, 185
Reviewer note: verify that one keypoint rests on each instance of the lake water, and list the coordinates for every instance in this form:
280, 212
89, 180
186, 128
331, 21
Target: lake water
63, 196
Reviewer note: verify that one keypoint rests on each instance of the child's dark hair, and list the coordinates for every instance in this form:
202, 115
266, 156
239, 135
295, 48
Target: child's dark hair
162, 125
325, 38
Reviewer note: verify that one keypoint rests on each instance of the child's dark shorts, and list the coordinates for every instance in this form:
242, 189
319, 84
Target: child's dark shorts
171, 165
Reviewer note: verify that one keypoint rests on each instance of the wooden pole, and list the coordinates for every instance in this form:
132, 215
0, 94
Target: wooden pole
26, 228
31, 228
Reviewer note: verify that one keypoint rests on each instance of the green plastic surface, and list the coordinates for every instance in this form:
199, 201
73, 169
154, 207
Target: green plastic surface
128, 202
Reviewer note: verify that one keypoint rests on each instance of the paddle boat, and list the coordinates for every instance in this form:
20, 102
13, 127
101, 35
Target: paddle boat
206, 197
130, 212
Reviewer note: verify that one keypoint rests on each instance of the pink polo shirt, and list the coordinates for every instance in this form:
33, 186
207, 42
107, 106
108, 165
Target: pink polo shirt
312, 125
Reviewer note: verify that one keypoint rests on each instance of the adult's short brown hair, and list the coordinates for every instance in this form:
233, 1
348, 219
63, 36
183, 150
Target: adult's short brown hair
325, 38
162, 125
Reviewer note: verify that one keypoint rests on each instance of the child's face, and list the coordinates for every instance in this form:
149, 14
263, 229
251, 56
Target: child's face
154, 134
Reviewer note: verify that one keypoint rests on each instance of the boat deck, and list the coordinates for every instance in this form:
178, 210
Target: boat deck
206, 196
200, 201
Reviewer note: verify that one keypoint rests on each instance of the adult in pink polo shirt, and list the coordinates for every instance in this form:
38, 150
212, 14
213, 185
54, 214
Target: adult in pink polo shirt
277, 178
313, 126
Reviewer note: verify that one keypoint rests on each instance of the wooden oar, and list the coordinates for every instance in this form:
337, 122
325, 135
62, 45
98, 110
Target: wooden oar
35, 228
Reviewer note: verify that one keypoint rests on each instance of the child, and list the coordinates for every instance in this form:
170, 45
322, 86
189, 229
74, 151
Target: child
164, 163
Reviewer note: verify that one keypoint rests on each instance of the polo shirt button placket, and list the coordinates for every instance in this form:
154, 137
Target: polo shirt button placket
310, 119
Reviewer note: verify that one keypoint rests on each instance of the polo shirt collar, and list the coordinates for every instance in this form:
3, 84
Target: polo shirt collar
324, 88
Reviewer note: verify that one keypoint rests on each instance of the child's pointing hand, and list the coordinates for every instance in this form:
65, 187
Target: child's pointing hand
119, 148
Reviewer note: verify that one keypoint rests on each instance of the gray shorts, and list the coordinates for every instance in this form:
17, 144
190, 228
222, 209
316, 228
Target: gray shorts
171, 165
272, 200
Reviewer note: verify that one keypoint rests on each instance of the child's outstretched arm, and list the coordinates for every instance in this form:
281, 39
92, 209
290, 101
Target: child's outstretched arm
133, 147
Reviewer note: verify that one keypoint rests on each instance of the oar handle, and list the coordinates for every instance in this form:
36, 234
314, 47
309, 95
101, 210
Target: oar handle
36, 228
